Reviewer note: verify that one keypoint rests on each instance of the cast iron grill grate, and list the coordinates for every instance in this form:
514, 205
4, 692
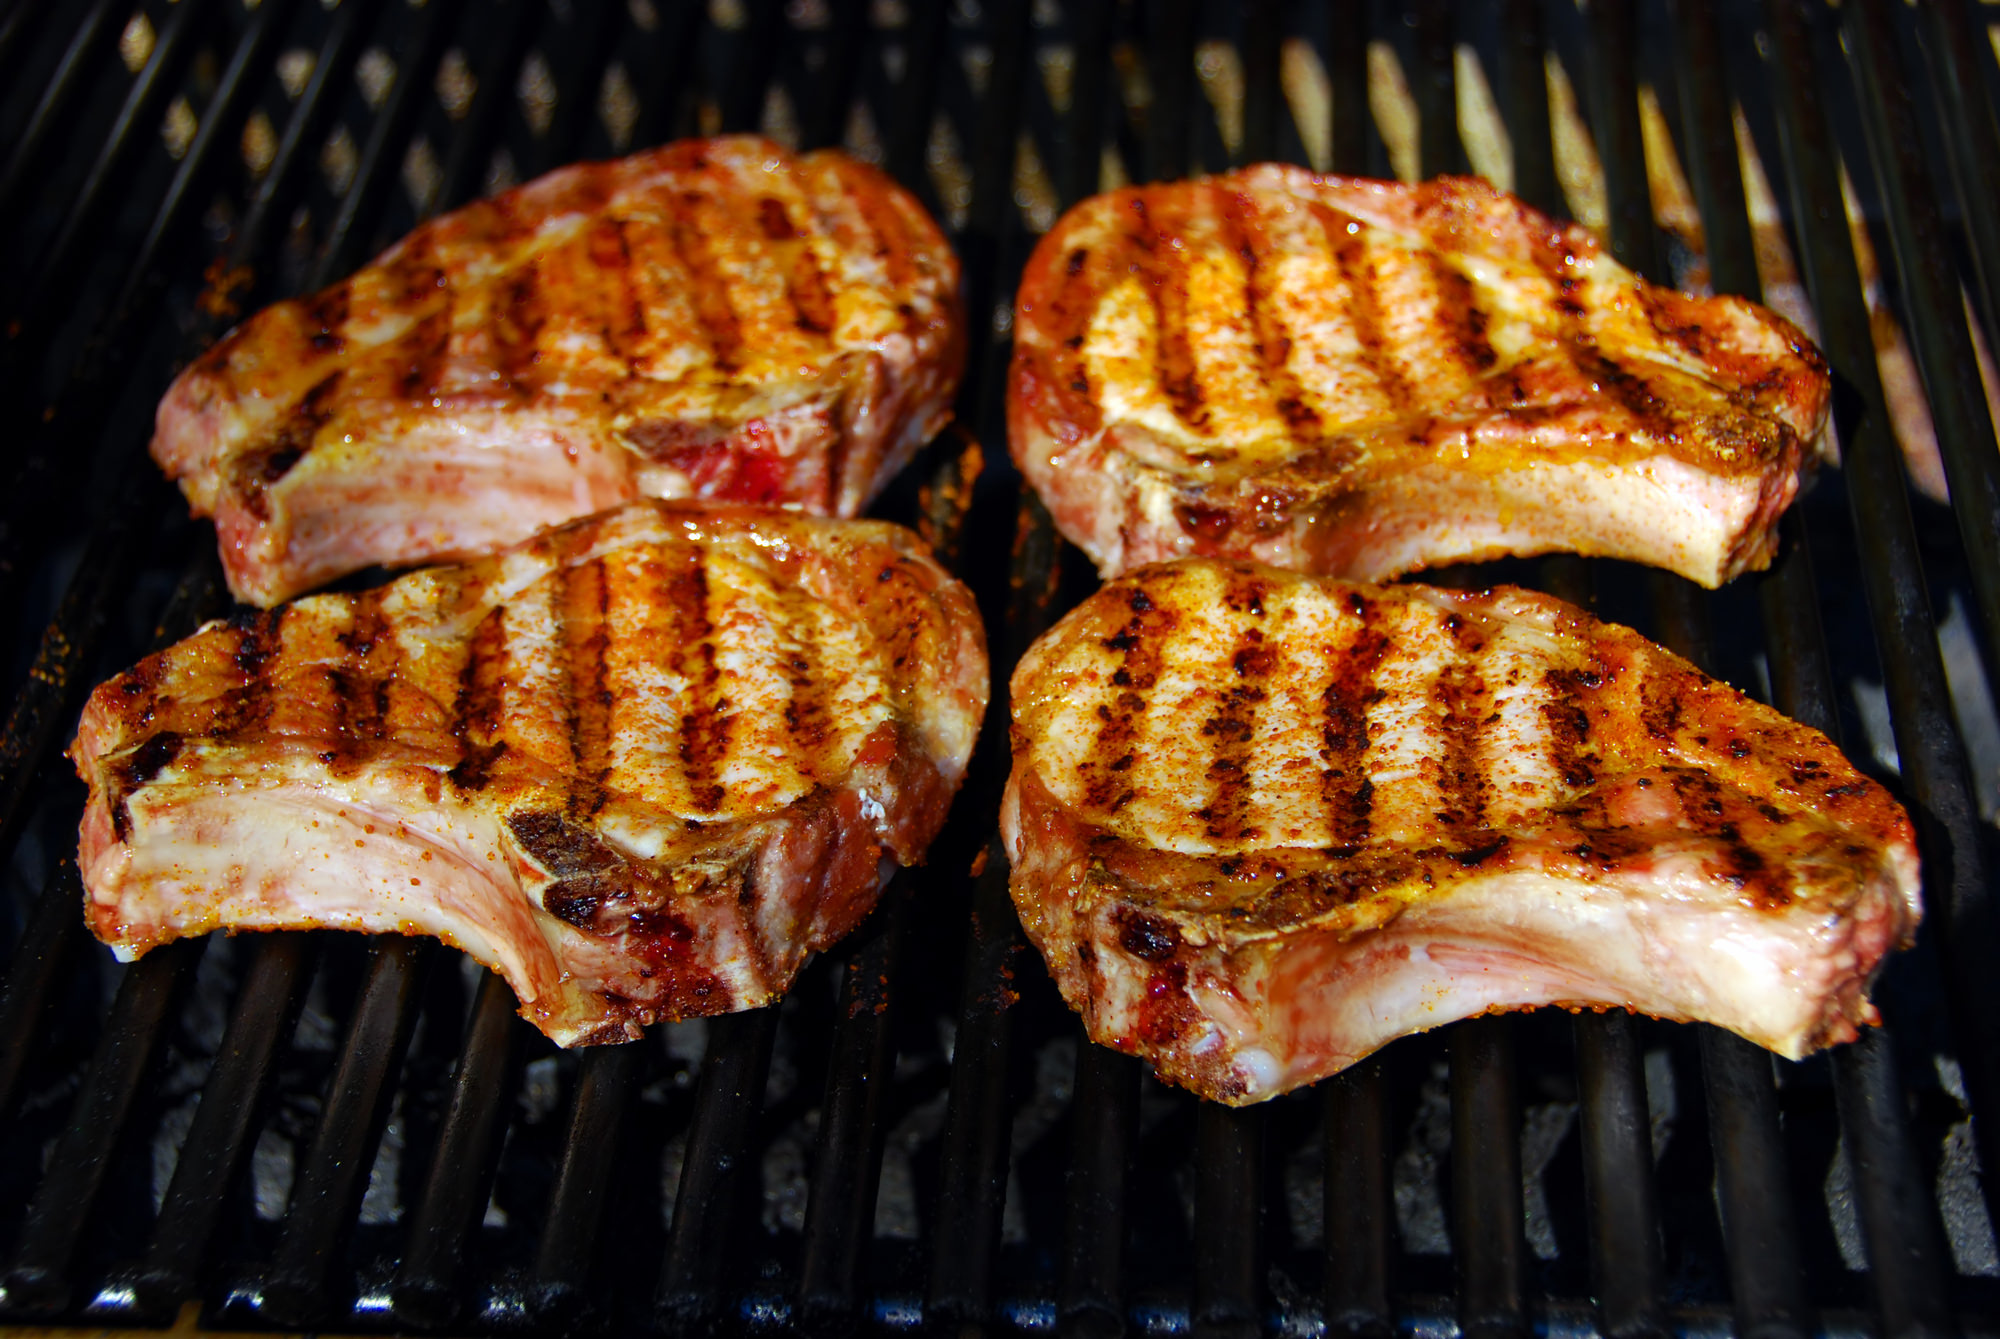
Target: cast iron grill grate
316, 1131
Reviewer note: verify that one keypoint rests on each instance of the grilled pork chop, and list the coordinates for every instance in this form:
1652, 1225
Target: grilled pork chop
1262, 824
714, 319
642, 766
1361, 378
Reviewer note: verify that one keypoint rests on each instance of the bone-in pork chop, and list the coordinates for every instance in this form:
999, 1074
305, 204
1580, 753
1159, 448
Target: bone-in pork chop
1264, 823
714, 319
642, 766
1360, 378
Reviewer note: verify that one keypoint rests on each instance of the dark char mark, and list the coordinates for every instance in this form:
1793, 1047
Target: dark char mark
1139, 643
1461, 692
137, 768
705, 727
476, 714
1348, 791
583, 614
1231, 725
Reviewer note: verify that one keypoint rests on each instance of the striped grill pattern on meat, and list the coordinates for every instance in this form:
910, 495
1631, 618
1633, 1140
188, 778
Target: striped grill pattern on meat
1360, 378
1263, 823
715, 319
643, 765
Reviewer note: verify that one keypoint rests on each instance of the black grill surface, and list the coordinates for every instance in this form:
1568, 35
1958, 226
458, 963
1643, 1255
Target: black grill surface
317, 1131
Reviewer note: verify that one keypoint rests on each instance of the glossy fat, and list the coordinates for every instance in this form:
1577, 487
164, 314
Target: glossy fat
1361, 378
1263, 823
642, 766
716, 318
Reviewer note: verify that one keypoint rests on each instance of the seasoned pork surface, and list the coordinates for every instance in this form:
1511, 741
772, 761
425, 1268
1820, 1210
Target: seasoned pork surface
1361, 378
715, 319
1262, 824
642, 766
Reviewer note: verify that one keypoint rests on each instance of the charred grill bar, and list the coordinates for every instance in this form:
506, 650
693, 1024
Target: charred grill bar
304, 1131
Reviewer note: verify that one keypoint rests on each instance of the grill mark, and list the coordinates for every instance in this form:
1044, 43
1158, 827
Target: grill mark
1631, 390
1460, 692
707, 291
1140, 645
808, 709
245, 708
1273, 340
1569, 728
517, 321
1348, 792
1229, 730
705, 723
361, 685
1350, 254
476, 714
133, 771
894, 240
327, 310
428, 341
1178, 381
625, 320
584, 628
1462, 316
260, 467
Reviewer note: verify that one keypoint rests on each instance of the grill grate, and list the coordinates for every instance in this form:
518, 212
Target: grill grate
300, 1131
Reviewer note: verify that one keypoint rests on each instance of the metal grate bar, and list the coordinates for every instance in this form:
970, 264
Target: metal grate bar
680, 35
1525, 60
847, 1161
1905, 1264
1347, 50
225, 109
1626, 1266
317, 101
1357, 1208
579, 78
558, 1286
294, 1291
992, 215
231, 1099
1488, 1242
756, 61
416, 68
37, 1280
1104, 1114
458, 179
923, 58
52, 289
1906, 1250
1083, 168
1930, 292
827, 118
1229, 1206
52, 935
1169, 118
713, 1170
1972, 143
973, 1169
74, 67
1438, 147
17, 27
1263, 31
425, 1290
1753, 1194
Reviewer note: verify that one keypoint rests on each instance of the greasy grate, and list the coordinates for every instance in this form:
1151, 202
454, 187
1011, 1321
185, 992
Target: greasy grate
315, 1130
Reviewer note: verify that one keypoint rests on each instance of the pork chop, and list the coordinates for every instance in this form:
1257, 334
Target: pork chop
1264, 823
714, 319
1361, 379
642, 766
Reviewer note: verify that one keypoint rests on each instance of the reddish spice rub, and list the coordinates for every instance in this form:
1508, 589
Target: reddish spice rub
642, 766
1323, 815
1361, 378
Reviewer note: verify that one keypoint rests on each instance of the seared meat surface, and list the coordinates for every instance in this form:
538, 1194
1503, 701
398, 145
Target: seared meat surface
642, 766
1361, 378
1263, 823
715, 319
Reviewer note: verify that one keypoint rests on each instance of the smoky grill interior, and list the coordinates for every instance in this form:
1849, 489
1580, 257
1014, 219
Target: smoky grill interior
317, 1131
